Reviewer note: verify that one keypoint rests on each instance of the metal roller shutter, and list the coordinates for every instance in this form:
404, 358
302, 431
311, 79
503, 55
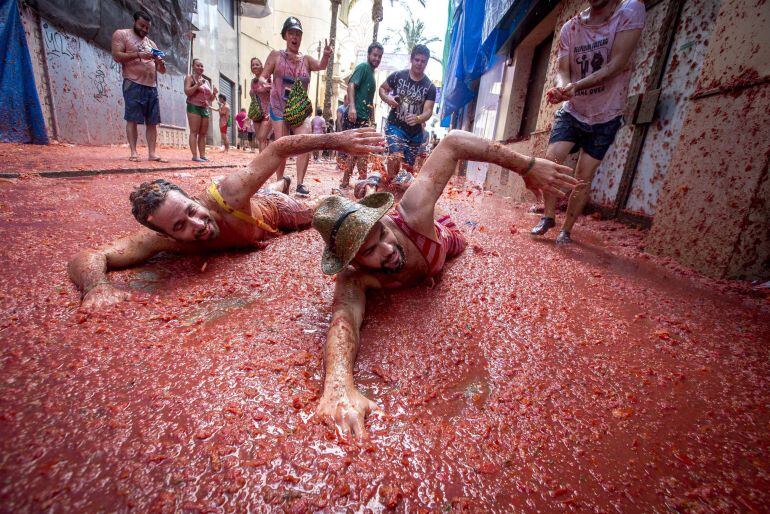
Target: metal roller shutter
226, 87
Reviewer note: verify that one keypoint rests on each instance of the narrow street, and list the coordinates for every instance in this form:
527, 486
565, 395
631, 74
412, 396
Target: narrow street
529, 377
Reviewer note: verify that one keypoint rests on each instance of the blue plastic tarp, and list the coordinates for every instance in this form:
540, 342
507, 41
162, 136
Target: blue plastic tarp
21, 118
470, 54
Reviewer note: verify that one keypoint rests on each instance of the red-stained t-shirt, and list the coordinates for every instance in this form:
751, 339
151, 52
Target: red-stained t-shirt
141, 71
588, 48
239, 120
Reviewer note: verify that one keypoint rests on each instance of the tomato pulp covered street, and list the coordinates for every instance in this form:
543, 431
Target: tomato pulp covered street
528, 377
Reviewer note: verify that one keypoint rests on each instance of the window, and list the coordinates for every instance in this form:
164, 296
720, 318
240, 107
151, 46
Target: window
535, 86
227, 9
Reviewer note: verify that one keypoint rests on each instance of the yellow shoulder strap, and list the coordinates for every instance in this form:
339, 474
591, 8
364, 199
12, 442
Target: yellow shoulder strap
214, 192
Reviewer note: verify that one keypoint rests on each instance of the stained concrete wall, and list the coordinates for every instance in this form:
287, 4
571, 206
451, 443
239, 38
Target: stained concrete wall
714, 206
703, 171
79, 86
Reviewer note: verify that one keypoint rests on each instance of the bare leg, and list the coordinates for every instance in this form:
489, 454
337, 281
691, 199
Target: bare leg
263, 133
302, 159
202, 132
347, 170
226, 140
194, 121
280, 186
280, 129
362, 167
394, 166
556, 152
151, 133
132, 135
584, 172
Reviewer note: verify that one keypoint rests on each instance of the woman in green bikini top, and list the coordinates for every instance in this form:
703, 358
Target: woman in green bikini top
199, 96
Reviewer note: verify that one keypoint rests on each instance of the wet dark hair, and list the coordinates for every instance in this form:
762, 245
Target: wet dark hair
223, 97
374, 46
319, 111
421, 50
143, 15
147, 197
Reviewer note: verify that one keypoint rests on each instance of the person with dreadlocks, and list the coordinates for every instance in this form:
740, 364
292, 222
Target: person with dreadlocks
234, 212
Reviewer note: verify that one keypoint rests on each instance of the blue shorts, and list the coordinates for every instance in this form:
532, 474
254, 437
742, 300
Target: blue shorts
401, 143
141, 103
595, 139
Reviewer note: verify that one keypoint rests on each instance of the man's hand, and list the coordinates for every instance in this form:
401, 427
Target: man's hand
352, 114
361, 141
557, 95
568, 91
146, 55
102, 296
391, 101
412, 119
348, 408
548, 177
554, 96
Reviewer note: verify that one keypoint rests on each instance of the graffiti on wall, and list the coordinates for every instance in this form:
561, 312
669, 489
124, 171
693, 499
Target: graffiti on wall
87, 95
60, 43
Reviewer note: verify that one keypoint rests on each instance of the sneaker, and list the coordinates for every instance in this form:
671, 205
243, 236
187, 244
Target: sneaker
544, 226
206, 159
302, 190
197, 159
563, 238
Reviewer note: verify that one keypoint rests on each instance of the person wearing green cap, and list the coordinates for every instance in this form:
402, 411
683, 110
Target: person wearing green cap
370, 246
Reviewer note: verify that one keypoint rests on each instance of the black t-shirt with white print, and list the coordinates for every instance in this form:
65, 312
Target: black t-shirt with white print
412, 97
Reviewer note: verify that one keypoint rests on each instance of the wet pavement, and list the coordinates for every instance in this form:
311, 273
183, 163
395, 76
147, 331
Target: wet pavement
19, 159
528, 378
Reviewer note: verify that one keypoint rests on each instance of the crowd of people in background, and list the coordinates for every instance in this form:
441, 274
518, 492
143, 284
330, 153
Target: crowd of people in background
279, 105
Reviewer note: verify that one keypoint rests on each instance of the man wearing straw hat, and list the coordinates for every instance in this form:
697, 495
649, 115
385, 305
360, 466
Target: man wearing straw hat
371, 247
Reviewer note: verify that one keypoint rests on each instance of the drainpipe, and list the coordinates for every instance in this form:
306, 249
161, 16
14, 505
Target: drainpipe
49, 90
238, 91
317, 76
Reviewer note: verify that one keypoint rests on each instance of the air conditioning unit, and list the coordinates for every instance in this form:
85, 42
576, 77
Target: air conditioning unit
256, 8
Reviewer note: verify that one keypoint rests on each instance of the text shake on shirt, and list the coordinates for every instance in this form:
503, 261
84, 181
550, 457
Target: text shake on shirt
411, 96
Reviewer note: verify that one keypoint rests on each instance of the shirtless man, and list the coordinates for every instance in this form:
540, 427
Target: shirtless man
371, 248
224, 121
232, 213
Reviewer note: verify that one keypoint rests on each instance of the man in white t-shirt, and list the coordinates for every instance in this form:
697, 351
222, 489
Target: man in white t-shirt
595, 49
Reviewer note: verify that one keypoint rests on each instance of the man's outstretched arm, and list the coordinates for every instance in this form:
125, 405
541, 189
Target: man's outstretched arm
341, 401
238, 188
420, 199
88, 269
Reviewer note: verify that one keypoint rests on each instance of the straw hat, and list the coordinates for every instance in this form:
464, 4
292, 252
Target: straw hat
344, 225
